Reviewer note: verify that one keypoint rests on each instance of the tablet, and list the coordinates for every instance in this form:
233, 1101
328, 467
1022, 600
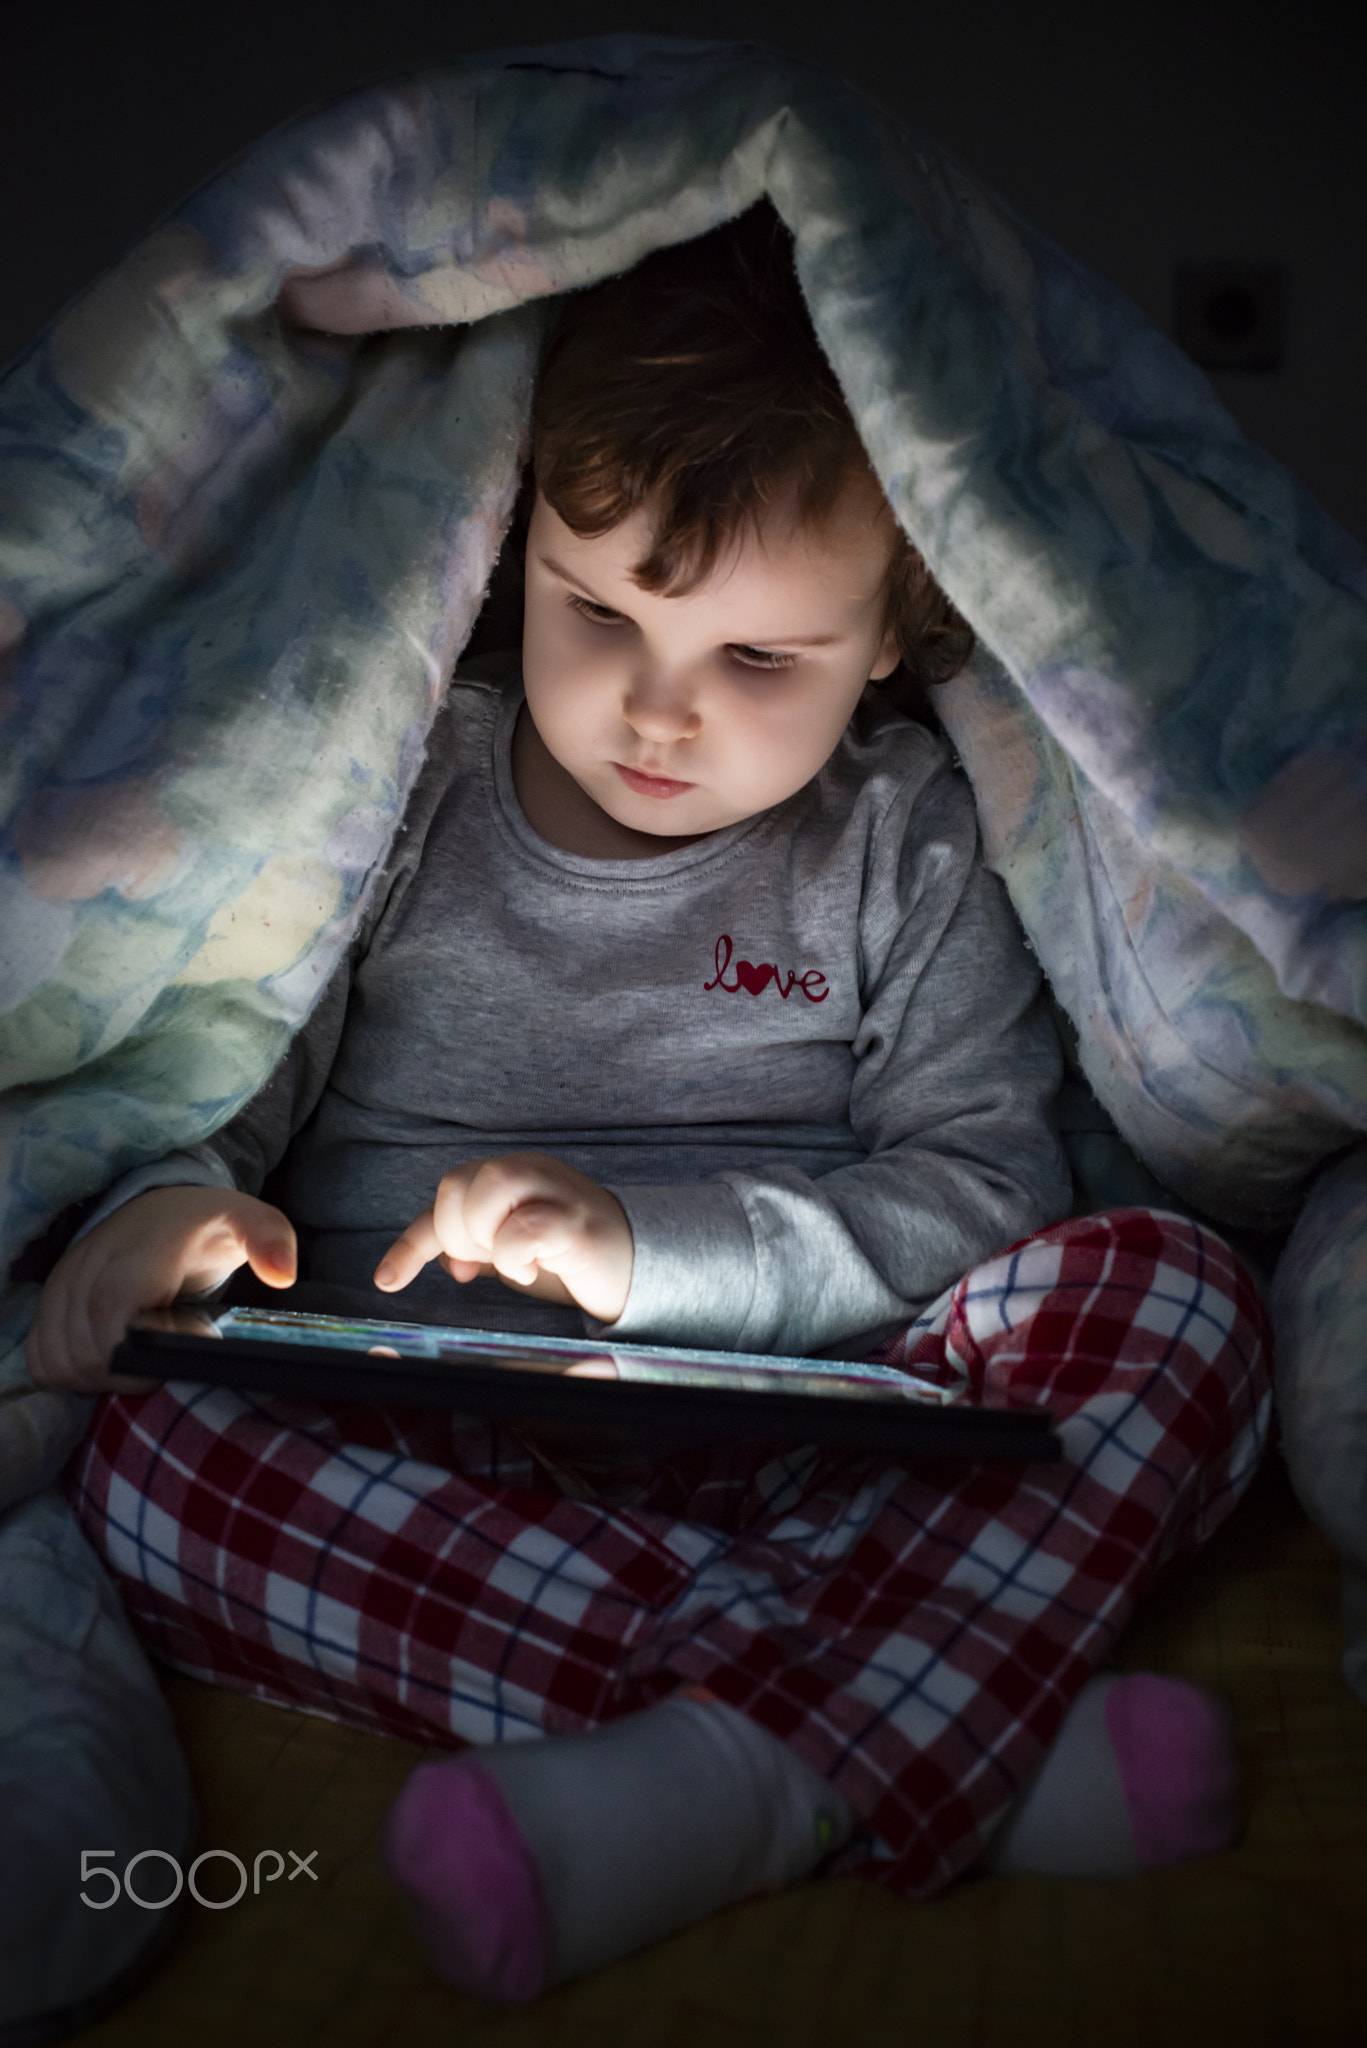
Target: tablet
648, 1390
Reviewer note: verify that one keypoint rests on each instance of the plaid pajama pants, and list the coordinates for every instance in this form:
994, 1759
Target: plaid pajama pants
917, 1634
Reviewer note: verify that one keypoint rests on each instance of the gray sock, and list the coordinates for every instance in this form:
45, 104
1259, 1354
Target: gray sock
1072, 1820
646, 1824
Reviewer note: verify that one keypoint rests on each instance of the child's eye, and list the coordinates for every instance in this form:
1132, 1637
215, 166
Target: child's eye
596, 614
761, 657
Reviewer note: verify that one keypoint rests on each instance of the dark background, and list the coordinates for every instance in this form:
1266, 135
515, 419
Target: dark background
1140, 136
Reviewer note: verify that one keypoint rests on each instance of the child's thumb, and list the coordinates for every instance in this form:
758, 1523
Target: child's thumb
272, 1252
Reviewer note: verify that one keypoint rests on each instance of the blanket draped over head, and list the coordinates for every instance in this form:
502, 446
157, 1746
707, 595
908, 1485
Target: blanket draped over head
253, 484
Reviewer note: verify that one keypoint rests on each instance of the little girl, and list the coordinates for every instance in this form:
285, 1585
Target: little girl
685, 1007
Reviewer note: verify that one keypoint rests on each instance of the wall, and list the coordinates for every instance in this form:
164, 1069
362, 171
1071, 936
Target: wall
1138, 137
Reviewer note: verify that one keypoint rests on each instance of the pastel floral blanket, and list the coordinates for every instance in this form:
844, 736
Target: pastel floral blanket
253, 483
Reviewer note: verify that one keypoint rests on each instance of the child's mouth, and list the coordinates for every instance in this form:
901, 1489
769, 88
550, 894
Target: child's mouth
650, 785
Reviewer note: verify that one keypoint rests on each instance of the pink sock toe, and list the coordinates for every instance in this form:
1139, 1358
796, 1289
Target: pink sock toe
452, 1844
1175, 1751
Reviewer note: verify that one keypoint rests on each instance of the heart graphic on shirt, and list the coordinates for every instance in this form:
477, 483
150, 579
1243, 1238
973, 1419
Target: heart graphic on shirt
754, 980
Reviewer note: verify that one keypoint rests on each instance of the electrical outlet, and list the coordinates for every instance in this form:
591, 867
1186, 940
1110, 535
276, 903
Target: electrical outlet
1231, 316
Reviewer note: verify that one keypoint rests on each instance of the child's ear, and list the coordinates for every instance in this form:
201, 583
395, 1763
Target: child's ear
886, 659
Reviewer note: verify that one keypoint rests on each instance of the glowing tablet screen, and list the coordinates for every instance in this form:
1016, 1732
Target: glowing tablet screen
656, 1364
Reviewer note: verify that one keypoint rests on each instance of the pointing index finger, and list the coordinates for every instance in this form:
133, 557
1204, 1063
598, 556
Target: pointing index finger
409, 1253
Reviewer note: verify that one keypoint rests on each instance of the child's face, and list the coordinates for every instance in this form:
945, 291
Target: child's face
679, 715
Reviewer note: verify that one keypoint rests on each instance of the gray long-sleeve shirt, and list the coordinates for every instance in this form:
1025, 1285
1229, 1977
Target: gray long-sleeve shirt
807, 1052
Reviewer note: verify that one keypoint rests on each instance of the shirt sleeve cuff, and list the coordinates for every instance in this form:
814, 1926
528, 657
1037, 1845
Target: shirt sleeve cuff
693, 1273
200, 1168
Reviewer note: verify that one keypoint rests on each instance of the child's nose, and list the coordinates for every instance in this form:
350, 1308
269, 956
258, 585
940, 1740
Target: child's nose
661, 707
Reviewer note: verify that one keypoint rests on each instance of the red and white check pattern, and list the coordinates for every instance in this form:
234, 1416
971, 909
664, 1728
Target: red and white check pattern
916, 1634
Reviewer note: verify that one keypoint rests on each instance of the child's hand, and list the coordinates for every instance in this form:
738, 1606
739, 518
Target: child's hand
167, 1242
539, 1224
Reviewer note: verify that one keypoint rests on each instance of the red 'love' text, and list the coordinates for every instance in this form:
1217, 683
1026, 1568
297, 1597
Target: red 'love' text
754, 980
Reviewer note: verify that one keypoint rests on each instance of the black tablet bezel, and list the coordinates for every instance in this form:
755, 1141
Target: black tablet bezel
500, 1389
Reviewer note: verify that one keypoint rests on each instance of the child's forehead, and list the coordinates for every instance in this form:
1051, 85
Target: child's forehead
841, 557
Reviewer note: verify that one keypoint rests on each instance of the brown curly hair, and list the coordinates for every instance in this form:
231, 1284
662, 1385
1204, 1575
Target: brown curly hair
695, 383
